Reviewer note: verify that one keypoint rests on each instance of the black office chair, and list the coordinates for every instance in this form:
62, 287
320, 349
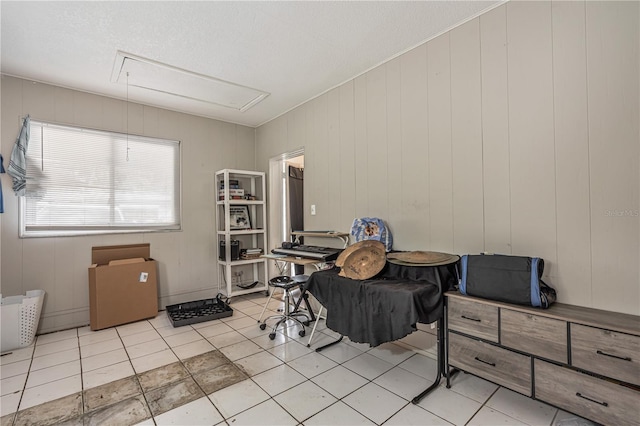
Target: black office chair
287, 284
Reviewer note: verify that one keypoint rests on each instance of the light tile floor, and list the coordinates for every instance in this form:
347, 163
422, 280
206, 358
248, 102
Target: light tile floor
228, 371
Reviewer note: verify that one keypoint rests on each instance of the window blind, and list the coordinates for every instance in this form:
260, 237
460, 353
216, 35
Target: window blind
83, 181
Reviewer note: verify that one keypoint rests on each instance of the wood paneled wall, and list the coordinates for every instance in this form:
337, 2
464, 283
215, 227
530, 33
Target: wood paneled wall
517, 133
186, 259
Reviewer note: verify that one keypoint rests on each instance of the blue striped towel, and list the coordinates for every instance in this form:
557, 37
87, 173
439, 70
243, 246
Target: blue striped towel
18, 163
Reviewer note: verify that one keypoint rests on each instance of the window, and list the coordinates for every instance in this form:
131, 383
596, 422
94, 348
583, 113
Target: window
82, 181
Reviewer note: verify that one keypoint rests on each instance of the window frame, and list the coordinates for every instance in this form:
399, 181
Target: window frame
70, 231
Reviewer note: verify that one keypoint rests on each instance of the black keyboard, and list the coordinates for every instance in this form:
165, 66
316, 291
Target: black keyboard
312, 252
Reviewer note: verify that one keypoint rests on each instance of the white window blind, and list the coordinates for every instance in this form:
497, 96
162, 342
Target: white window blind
82, 181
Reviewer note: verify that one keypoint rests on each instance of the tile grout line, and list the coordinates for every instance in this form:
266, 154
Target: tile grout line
24, 386
135, 375
82, 396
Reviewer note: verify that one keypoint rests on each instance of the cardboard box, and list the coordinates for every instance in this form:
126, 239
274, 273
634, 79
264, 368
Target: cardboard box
122, 285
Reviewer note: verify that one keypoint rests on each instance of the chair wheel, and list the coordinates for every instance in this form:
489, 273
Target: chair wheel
306, 323
272, 336
301, 333
263, 326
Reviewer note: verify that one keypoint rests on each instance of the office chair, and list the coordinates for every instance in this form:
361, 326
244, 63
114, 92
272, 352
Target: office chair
287, 284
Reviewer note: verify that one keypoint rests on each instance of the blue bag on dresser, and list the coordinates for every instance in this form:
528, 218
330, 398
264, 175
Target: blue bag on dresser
510, 279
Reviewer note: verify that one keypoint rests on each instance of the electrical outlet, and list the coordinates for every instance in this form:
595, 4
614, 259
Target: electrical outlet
313, 209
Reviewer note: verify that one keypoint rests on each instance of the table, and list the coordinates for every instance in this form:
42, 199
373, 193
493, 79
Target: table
342, 236
283, 261
386, 307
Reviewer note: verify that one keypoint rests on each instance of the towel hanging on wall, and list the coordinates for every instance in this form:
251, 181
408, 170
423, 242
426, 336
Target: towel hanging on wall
18, 162
1, 171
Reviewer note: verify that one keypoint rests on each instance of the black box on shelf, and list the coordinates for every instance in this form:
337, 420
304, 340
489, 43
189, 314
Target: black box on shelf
235, 250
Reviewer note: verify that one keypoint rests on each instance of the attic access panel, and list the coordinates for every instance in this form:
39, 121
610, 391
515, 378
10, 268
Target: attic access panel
161, 78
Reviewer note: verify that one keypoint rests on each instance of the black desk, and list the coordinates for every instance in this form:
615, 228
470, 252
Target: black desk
386, 307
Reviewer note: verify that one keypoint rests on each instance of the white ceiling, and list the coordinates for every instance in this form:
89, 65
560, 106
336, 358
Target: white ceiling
292, 50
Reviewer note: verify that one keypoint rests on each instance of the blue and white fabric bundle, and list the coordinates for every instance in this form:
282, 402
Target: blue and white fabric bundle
18, 162
372, 228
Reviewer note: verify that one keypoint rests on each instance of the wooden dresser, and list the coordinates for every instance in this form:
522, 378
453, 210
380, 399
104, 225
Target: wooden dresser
585, 361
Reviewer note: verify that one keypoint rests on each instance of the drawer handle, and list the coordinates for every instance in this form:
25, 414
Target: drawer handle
604, 404
626, 358
470, 319
493, 364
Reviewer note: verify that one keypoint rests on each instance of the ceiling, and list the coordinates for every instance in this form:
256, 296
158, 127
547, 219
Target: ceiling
293, 51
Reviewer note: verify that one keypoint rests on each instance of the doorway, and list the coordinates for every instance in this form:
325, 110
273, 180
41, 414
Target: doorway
286, 195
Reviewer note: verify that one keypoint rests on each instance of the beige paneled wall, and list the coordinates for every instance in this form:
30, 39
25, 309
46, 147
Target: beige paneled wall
517, 132
495, 131
59, 265
572, 148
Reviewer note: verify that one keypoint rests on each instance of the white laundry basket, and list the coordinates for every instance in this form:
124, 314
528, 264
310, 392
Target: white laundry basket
20, 316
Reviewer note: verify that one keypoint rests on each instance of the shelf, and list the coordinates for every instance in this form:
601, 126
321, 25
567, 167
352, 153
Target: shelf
240, 202
240, 262
237, 291
239, 173
321, 234
294, 260
242, 232
227, 213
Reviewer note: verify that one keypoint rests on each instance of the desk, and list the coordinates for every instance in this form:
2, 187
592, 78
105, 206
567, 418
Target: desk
387, 307
283, 261
342, 236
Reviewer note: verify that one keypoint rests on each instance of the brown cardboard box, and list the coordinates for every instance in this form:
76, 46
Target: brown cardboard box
123, 291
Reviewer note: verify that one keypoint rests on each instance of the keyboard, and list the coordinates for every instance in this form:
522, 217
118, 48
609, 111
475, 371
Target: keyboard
311, 252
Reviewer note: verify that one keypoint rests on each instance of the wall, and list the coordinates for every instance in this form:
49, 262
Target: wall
516, 133
59, 265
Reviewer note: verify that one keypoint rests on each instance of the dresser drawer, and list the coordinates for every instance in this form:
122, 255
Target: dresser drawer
609, 353
599, 400
473, 318
498, 365
534, 334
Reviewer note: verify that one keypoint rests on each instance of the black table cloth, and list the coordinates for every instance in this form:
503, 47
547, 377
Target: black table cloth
386, 307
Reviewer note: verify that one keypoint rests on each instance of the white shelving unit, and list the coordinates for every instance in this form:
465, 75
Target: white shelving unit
249, 232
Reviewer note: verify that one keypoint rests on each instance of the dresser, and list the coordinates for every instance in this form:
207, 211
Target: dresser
582, 360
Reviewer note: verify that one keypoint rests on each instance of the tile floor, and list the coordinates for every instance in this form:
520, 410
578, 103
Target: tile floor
228, 371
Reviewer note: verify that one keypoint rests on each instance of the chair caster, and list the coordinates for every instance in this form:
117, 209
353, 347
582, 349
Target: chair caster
272, 336
306, 323
301, 333
263, 326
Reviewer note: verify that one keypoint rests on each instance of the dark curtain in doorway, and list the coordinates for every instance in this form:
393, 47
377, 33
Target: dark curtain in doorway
296, 205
